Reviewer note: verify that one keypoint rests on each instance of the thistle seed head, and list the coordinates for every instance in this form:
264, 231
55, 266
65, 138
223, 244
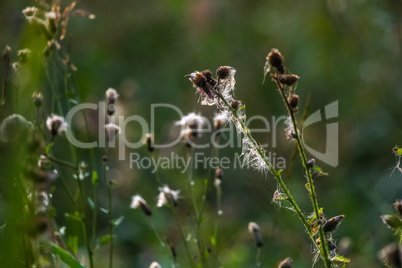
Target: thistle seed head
275, 58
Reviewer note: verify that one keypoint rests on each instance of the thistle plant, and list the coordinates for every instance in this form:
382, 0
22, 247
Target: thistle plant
219, 91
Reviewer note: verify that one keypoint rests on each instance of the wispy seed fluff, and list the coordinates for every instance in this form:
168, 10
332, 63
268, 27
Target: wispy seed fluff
138, 202
289, 130
192, 121
56, 124
168, 196
252, 158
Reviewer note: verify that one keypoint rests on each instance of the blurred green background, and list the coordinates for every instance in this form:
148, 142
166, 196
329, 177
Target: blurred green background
346, 51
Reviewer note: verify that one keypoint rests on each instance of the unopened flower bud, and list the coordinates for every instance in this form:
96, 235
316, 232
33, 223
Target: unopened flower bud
392, 221
139, 202
255, 229
37, 99
149, 141
288, 79
332, 224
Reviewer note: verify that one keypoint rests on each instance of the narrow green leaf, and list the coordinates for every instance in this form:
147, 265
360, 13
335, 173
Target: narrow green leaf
95, 177
103, 241
320, 171
116, 222
66, 257
72, 243
104, 210
91, 203
49, 147
76, 216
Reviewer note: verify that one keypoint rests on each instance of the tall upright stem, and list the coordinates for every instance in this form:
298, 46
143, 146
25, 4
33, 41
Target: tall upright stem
324, 247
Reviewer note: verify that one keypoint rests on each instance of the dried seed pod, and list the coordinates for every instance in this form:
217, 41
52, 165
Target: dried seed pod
293, 101
332, 224
288, 79
286, 263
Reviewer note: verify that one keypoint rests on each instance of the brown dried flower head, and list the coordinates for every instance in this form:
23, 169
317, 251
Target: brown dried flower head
293, 101
275, 58
289, 79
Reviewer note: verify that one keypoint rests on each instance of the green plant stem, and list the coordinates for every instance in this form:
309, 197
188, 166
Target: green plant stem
324, 247
109, 196
198, 227
214, 153
84, 221
190, 257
